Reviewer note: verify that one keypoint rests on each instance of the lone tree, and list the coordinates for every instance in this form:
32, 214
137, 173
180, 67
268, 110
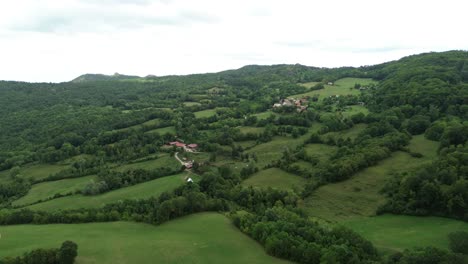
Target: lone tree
68, 252
458, 242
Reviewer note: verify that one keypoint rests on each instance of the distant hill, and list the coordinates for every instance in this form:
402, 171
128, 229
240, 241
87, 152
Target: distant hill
89, 77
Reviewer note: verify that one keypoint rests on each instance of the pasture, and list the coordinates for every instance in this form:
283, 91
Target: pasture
163, 130
391, 233
249, 129
275, 178
205, 113
199, 238
341, 87
45, 190
273, 150
163, 161
360, 195
34, 171
139, 191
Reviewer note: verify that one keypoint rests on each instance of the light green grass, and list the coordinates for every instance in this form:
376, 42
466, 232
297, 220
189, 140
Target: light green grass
249, 129
321, 151
348, 133
164, 161
273, 150
341, 87
360, 195
424, 146
398, 232
139, 191
163, 130
152, 122
36, 172
308, 85
45, 190
355, 109
274, 178
265, 115
200, 238
188, 104
205, 113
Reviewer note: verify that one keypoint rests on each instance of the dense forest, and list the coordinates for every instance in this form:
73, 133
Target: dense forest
105, 127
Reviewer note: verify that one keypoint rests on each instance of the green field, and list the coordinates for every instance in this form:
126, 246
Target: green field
265, 115
321, 151
273, 150
36, 172
359, 196
199, 238
191, 104
341, 87
205, 113
397, 232
139, 191
249, 129
348, 133
355, 109
164, 161
45, 190
152, 122
308, 85
163, 130
274, 178
424, 146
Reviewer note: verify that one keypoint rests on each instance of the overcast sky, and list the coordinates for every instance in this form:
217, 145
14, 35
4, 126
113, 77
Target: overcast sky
58, 40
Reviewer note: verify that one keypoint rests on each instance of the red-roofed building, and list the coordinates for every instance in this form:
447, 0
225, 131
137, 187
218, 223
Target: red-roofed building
192, 146
177, 144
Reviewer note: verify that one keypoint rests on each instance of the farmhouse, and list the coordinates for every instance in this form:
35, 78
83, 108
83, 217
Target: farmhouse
187, 147
300, 104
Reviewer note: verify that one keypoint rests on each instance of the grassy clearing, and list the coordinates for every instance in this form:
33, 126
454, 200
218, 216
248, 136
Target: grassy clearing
199, 238
205, 113
274, 178
188, 104
265, 115
308, 85
351, 133
355, 109
36, 172
358, 196
321, 151
249, 129
424, 146
398, 232
152, 122
341, 87
164, 161
45, 190
163, 130
273, 150
139, 191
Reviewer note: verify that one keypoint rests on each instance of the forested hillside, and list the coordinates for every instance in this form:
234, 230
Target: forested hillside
295, 156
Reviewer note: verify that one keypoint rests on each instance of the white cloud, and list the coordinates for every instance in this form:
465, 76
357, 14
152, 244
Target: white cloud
57, 40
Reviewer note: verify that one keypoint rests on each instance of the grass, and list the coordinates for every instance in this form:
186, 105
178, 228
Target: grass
358, 196
139, 191
249, 129
351, 133
188, 104
341, 87
273, 150
36, 171
321, 151
151, 122
205, 113
355, 109
45, 190
265, 115
308, 85
274, 178
163, 130
424, 146
199, 238
164, 161
391, 233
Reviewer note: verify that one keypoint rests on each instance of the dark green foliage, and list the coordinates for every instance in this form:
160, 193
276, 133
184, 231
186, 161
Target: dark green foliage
66, 254
458, 242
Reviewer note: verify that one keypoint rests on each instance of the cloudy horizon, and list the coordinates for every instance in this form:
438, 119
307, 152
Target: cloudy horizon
56, 41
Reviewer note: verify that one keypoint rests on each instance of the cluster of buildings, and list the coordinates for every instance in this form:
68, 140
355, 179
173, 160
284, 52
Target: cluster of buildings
300, 104
186, 147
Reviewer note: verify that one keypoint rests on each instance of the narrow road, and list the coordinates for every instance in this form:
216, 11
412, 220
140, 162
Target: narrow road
177, 157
